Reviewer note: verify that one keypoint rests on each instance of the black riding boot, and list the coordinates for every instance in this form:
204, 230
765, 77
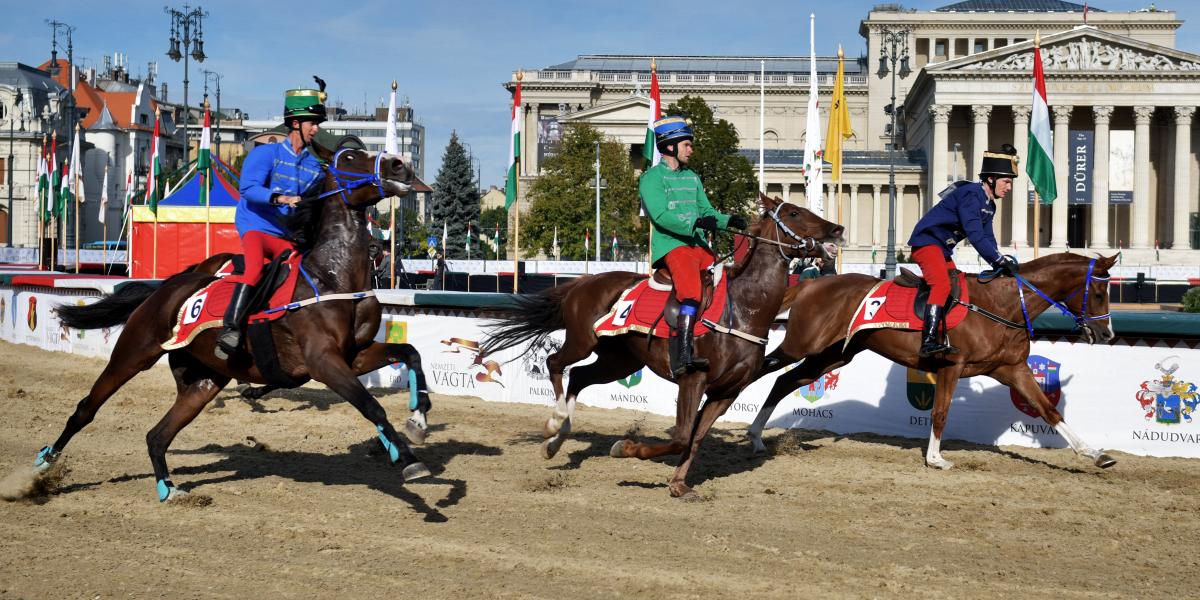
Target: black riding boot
932, 342
688, 361
231, 336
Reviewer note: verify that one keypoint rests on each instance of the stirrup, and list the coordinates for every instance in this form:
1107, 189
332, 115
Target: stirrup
228, 343
936, 348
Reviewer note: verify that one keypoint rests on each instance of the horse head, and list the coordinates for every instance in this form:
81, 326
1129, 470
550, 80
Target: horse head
1081, 285
802, 231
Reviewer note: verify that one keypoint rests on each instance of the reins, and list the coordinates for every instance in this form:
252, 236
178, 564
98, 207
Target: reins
1022, 283
349, 181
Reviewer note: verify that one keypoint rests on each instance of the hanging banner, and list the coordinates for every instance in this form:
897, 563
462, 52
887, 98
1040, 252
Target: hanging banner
549, 135
1082, 154
1120, 166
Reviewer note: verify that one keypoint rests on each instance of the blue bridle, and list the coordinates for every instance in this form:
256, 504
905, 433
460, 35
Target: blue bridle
349, 181
1081, 319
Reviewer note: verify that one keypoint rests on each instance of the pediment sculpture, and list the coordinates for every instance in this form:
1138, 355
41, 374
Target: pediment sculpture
1090, 55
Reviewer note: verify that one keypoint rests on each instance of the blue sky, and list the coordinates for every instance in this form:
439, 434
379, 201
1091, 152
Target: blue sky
449, 57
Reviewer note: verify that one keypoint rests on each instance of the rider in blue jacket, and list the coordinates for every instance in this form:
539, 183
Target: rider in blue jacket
274, 178
966, 211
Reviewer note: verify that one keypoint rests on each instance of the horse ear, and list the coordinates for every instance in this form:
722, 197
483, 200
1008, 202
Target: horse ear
323, 153
767, 203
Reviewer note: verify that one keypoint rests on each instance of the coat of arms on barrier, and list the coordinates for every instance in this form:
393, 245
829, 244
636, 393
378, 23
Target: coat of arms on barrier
1168, 399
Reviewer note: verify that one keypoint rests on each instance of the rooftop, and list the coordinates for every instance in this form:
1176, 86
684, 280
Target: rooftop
705, 64
1015, 6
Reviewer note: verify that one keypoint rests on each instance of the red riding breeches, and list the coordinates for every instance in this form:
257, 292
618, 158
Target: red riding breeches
256, 247
935, 268
685, 264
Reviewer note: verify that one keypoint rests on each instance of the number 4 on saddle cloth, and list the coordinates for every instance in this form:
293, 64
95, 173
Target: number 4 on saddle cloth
900, 304
205, 309
650, 307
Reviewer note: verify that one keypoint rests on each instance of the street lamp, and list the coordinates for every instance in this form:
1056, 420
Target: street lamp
12, 117
182, 23
216, 77
599, 185
893, 48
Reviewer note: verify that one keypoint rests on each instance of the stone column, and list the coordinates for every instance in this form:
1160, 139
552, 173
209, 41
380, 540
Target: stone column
876, 216
1099, 233
1059, 213
950, 55
980, 113
941, 124
1183, 172
901, 231
787, 193
1020, 191
832, 202
1140, 226
853, 238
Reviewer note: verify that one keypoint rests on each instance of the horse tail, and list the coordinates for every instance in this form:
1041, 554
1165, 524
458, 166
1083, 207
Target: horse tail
533, 317
113, 309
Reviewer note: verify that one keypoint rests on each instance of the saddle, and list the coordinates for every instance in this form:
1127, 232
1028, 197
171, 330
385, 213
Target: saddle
649, 306
274, 274
908, 279
662, 280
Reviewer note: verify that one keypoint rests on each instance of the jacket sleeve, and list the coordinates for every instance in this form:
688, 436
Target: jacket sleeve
706, 207
654, 197
256, 176
970, 216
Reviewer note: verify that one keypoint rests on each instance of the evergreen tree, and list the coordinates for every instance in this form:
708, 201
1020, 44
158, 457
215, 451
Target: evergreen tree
728, 177
455, 198
565, 197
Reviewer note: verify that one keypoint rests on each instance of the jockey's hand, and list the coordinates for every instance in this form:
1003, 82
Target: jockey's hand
288, 200
1006, 265
709, 223
737, 222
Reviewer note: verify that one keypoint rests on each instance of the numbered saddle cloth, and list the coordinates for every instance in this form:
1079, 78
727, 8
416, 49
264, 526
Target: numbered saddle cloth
205, 309
640, 309
888, 305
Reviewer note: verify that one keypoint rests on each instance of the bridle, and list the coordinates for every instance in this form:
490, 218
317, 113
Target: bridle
802, 243
1081, 319
348, 181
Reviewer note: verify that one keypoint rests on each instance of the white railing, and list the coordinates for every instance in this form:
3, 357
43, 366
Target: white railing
774, 79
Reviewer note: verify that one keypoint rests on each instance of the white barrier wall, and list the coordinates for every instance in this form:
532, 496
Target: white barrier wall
1135, 398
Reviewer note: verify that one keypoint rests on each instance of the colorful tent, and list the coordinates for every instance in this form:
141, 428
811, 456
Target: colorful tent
187, 230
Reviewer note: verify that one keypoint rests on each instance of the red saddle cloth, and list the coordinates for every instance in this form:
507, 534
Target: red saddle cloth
205, 309
639, 308
888, 305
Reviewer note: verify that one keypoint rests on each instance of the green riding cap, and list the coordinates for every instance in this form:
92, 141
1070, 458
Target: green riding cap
304, 104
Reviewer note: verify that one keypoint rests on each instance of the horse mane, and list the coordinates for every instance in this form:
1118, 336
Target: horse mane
740, 264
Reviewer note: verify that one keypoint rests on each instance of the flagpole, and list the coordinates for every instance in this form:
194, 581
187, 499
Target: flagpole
762, 124
52, 199
104, 220
838, 176
392, 238
75, 188
41, 216
1037, 213
391, 146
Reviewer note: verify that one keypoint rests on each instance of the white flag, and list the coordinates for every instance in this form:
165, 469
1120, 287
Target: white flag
104, 194
390, 144
75, 165
814, 163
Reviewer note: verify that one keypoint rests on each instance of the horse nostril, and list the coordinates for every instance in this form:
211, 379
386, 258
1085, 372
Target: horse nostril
396, 167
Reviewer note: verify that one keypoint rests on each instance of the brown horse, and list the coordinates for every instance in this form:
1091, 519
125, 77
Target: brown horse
328, 341
756, 289
823, 308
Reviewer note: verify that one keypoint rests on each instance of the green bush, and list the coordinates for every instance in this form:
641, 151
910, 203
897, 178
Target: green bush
1191, 300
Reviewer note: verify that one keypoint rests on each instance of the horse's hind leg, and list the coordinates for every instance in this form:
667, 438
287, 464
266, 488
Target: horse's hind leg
578, 345
1020, 379
132, 354
814, 366
379, 355
198, 385
613, 362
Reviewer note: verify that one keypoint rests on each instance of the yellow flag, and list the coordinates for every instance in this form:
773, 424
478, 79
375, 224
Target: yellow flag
839, 122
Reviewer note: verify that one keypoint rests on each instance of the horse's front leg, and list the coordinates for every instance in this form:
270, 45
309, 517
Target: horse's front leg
325, 364
947, 379
1019, 378
713, 409
379, 355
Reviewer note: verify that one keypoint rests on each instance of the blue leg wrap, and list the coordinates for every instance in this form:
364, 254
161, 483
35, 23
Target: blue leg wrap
412, 390
393, 451
45, 456
164, 489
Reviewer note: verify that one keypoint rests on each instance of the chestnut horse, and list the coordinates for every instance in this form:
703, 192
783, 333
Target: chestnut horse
756, 287
322, 341
996, 346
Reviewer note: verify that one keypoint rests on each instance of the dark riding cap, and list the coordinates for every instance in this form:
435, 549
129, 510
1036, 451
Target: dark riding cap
1002, 163
305, 104
670, 130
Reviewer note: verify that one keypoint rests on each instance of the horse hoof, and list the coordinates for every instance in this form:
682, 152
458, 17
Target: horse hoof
1105, 461
415, 471
550, 429
550, 447
938, 463
756, 444
414, 432
168, 492
683, 492
620, 449
45, 459
690, 496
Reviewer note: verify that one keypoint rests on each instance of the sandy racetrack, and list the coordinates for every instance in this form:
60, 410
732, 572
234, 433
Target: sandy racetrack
311, 509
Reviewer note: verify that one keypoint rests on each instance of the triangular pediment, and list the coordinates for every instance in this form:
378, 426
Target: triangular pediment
628, 111
1082, 49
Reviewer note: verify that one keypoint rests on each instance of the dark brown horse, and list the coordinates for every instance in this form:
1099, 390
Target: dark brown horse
329, 341
822, 309
756, 288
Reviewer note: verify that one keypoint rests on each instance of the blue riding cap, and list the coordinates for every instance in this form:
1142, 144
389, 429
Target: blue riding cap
670, 130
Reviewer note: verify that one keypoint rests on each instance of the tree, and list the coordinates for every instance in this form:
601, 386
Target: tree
565, 197
488, 220
455, 198
728, 177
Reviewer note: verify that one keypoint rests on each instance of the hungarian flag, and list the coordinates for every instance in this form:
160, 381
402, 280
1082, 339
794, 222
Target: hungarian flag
496, 240
1040, 165
154, 179
514, 151
587, 240
614, 246
650, 149
43, 173
129, 191
204, 158
468, 244
55, 180
839, 121
74, 177
103, 195
555, 249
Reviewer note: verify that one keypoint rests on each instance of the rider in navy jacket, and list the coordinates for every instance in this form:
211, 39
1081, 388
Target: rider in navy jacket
966, 211
274, 177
